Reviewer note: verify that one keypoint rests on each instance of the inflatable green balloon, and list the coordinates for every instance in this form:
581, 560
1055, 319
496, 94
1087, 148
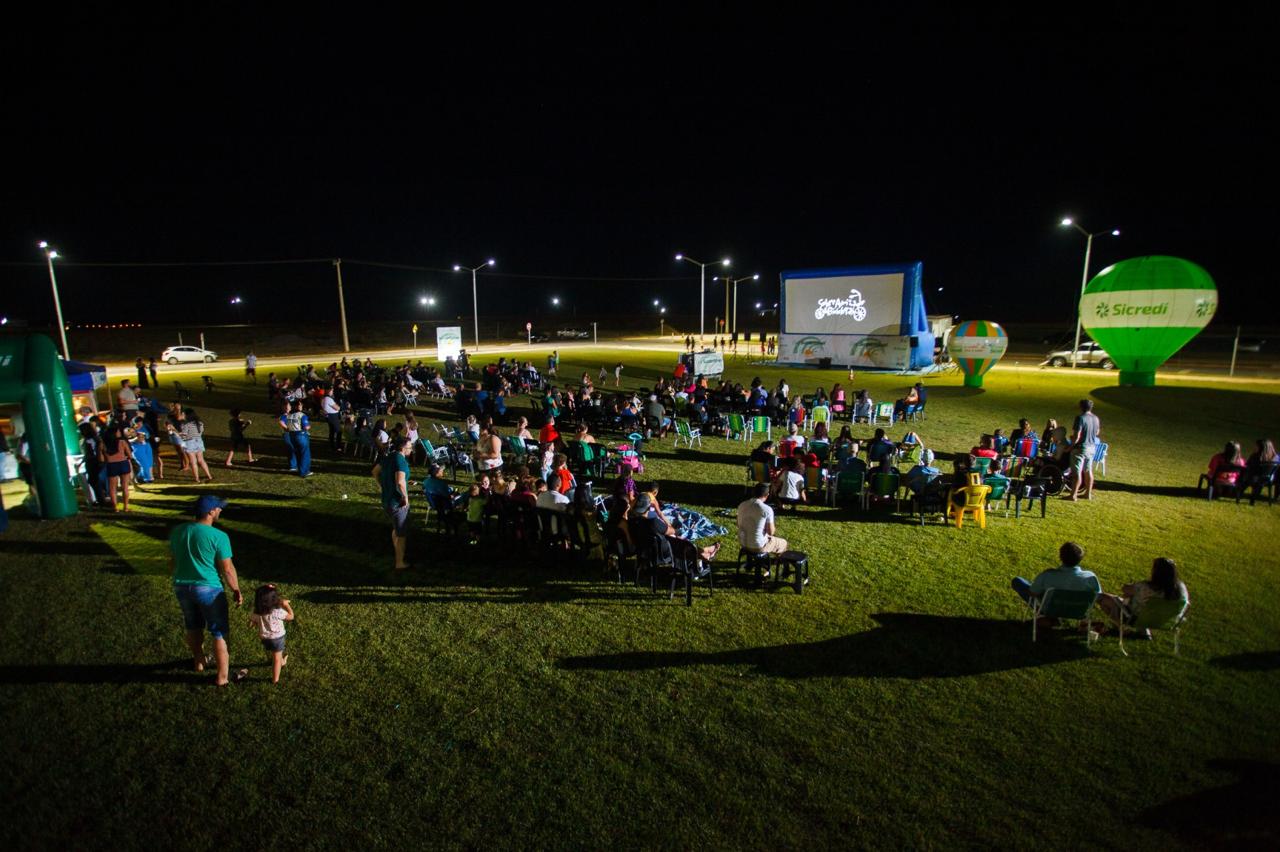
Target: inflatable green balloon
1145, 309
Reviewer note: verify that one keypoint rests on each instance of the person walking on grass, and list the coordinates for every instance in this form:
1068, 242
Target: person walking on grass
192, 436
200, 556
392, 474
270, 612
236, 426
115, 454
251, 367
617, 374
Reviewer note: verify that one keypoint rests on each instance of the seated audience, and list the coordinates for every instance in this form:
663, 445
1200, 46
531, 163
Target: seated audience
756, 524
1164, 583
1068, 576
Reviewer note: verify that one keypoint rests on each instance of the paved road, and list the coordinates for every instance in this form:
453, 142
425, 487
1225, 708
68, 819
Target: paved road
1185, 369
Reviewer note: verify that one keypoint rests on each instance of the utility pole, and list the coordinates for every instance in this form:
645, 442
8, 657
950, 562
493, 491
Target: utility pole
342, 307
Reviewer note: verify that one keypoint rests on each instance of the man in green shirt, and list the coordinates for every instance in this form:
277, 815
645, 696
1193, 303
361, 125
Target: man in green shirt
392, 474
201, 558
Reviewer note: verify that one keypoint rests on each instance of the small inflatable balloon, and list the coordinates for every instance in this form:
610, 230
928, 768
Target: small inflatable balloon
1144, 310
977, 345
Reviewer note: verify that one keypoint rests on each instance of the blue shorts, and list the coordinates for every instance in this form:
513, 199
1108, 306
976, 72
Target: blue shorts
204, 608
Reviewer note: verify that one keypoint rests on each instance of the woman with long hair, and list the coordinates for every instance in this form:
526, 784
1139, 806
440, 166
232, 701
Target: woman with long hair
1226, 467
1164, 584
114, 452
192, 435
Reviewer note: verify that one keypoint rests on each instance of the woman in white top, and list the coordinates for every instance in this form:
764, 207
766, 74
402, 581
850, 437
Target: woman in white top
488, 453
522, 429
192, 434
794, 436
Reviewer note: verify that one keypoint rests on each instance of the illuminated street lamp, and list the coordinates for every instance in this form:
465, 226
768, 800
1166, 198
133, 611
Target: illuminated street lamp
50, 255
1068, 222
427, 301
702, 318
237, 301
475, 302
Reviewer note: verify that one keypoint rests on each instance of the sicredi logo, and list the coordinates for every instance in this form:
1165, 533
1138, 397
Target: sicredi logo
1120, 309
854, 306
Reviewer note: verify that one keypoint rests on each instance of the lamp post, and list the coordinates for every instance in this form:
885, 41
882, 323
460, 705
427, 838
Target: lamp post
702, 317
1068, 222
50, 255
475, 301
237, 301
734, 281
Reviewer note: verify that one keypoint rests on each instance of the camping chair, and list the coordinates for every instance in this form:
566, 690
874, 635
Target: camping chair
654, 554
1262, 478
815, 480
460, 458
758, 473
433, 454
884, 484
447, 516
819, 414
180, 391
862, 409
209, 386
1156, 614
617, 551
885, 410
1099, 462
553, 528
761, 423
972, 501
516, 449
980, 464
1220, 487
687, 566
847, 483
688, 434
837, 404
821, 449
1064, 604
738, 428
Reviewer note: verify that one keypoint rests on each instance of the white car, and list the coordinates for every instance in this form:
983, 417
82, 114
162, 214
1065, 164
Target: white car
1090, 355
187, 354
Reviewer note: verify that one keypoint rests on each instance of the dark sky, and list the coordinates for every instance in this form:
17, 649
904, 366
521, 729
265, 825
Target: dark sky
961, 153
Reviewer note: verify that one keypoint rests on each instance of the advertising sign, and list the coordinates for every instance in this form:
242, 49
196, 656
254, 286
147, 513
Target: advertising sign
448, 342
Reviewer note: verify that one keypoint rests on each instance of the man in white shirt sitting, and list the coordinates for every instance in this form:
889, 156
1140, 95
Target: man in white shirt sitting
549, 498
755, 524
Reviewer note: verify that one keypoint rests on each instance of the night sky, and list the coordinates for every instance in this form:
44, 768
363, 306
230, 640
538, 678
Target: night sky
603, 164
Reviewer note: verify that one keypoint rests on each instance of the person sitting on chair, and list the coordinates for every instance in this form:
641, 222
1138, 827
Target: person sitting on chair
1068, 576
1164, 583
788, 487
879, 448
755, 524
986, 448
922, 473
766, 453
1225, 467
1024, 430
900, 407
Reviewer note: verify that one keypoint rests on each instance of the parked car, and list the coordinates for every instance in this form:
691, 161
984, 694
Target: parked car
187, 354
573, 333
1090, 355
533, 337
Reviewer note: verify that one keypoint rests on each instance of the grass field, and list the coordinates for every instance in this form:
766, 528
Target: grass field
482, 701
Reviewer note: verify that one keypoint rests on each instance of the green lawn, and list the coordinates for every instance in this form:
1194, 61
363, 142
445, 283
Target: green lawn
483, 701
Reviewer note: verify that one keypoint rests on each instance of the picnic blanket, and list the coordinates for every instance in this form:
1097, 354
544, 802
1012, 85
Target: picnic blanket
691, 525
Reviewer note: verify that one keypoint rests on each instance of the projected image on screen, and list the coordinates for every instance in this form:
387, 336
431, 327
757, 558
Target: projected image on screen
844, 304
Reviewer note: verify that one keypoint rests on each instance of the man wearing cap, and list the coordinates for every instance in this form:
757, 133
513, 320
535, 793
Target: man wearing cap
200, 555
392, 473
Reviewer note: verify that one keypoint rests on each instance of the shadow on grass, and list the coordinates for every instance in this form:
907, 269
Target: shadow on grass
1240, 815
171, 671
546, 593
1250, 661
1171, 403
231, 493
1154, 490
47, 548
905, 645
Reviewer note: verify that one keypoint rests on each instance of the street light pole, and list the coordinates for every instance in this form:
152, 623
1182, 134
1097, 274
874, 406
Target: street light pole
702, 317
735, 281
1084, 278
475, 299
49, 255
342, 307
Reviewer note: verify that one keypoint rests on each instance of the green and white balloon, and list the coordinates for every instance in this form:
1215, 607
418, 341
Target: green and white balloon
1143, 310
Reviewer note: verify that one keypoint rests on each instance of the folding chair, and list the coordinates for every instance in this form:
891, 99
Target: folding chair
1065, 604
885, 410
687, 433
1156, 614
819, 414
738, 430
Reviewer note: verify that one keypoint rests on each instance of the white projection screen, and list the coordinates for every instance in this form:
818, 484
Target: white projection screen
844, 304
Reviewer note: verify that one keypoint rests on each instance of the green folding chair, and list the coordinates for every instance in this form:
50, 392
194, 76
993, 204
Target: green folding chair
1156, 614
738, 428
819, 414
1067, 605
687, 433
848, 483
761, 423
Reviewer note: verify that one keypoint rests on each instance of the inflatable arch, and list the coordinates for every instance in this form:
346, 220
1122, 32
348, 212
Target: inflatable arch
32, 376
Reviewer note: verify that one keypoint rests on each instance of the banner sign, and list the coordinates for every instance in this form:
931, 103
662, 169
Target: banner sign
448, 342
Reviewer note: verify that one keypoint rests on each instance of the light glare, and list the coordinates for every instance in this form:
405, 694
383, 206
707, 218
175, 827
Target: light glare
1068, 221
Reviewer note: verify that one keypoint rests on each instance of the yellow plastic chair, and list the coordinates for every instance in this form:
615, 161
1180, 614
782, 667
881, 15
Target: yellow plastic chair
973, 502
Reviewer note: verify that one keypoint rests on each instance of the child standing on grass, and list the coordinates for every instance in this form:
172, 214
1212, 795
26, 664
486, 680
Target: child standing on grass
270, 612
475, 512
